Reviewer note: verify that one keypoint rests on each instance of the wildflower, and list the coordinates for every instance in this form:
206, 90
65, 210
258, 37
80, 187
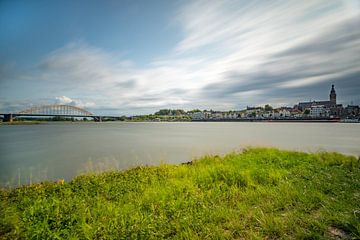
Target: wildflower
61, 181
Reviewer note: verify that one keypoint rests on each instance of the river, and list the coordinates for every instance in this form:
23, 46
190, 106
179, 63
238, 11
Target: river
51, 151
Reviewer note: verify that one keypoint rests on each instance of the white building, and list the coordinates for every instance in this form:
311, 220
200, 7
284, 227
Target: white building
218, 115
198, 116
284, 113
319, 111
267, 114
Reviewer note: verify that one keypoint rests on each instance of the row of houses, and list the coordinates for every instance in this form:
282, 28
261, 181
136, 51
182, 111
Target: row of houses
311, 109
315, 111
249, 113
282, 113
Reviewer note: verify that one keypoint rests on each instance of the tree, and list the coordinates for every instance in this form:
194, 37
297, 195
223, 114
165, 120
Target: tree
268, 107
194, 111
307, 111
163, 112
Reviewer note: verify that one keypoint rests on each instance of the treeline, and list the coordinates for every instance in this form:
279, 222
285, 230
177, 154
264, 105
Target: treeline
174, 112
167, 112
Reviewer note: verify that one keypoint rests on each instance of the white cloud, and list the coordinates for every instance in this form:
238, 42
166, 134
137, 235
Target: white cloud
73, 102
63, 100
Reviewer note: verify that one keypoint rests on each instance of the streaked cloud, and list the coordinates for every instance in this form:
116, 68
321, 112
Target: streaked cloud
231, 54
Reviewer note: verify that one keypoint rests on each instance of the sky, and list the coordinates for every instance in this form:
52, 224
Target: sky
131, 57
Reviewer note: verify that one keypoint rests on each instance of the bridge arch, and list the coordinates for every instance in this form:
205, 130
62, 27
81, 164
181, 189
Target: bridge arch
58, 110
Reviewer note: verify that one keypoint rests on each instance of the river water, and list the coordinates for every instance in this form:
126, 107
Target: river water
33, 153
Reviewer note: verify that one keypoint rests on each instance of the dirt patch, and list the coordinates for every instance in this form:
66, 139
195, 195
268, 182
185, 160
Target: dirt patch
337, 233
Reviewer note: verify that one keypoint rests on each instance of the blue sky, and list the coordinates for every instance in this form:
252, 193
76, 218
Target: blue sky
133, 57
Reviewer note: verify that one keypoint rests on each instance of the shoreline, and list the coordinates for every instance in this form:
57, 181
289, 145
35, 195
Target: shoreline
204, 120
23, 122
272, 120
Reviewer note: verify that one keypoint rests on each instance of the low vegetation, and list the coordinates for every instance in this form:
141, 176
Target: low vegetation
257, 194
21, 123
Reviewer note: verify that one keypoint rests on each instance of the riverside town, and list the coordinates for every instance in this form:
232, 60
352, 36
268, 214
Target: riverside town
312, 111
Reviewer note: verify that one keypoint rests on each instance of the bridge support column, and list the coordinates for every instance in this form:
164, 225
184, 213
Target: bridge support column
8, 117
97, 119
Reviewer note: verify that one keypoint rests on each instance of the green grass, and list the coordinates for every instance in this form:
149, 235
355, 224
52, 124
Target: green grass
258, 194
21, 122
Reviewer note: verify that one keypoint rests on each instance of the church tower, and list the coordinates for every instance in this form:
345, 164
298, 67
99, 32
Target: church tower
333, 95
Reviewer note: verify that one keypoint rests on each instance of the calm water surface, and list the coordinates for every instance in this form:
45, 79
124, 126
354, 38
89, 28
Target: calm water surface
63, 150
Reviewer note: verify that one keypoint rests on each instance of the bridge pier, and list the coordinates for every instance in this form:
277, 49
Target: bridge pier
97, 119
8, 117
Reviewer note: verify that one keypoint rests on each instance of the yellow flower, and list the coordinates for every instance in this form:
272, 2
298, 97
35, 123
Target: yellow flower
61, 181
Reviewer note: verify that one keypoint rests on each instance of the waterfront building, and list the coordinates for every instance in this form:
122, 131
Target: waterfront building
335, 110
230, 115
276, 114
198, 115
352, 110
327, 104
218, 115
296, 113
267, 114
319, 112
284, 112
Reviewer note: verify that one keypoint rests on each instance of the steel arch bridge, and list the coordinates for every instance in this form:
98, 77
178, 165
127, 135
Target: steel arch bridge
53, 111
56, 110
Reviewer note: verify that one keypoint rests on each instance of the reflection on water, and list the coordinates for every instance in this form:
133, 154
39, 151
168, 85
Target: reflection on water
63, 150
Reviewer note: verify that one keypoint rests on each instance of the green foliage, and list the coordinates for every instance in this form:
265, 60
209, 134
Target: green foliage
166, 118
268, 107
21, 122
165, 112
194, 111
257, 194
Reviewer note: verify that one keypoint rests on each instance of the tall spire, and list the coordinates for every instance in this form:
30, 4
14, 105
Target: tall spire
333, 95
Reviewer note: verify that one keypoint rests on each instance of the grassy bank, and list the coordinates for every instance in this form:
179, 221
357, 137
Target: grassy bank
260, 193
21, 123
